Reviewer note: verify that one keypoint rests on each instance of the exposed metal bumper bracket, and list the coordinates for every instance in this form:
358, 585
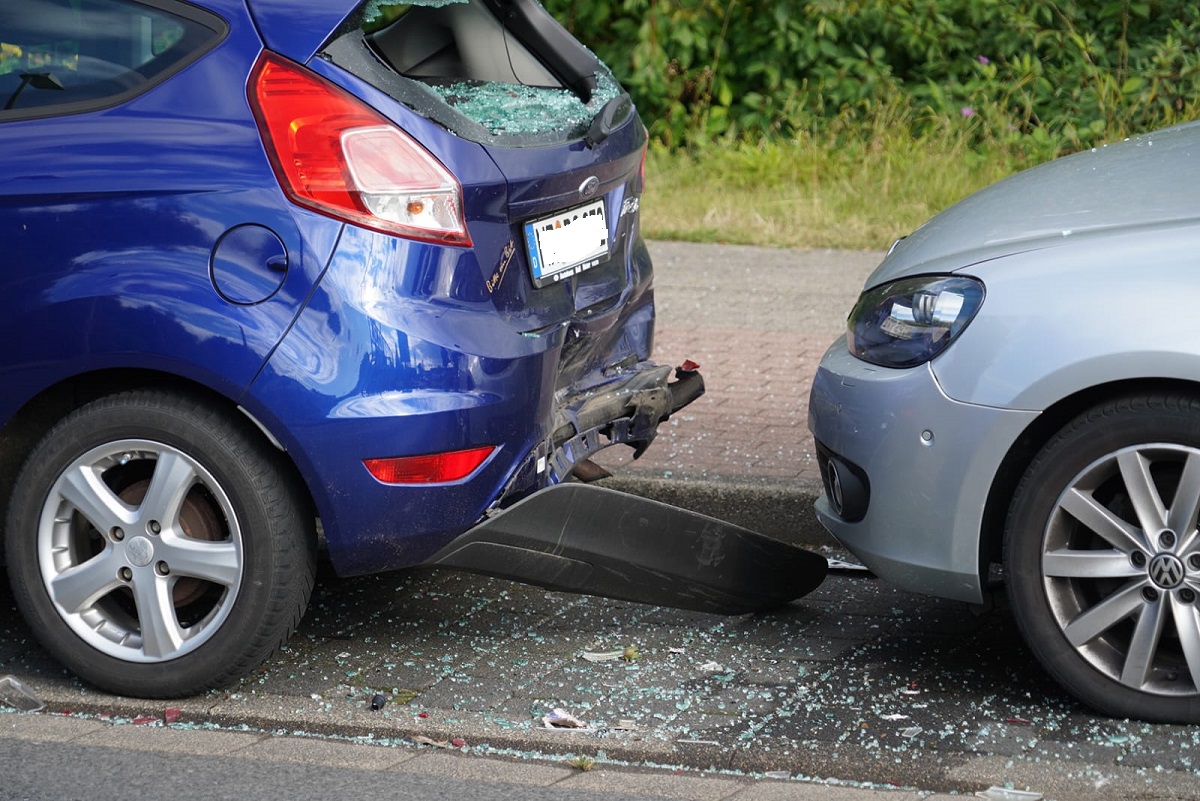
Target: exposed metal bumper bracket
588, 539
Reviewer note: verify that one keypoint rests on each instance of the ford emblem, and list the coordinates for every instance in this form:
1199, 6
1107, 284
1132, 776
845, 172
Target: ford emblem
589, 187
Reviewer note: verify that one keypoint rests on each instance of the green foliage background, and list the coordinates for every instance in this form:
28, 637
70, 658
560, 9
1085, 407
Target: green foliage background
1034, 75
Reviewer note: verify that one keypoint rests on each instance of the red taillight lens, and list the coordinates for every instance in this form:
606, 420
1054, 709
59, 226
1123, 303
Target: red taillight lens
334, 154
434, 468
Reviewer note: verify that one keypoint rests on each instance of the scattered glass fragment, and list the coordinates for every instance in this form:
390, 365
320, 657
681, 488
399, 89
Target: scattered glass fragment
712, 667
560, 719
911, 731
421, 739
839, 565
626, 724
895, 716
171, 714
143, 720
16, 695
603, 656
458, 742
778, 774
1005, 794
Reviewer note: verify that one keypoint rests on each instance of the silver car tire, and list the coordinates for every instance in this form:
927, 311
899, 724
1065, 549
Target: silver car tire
1102, 558
157, 547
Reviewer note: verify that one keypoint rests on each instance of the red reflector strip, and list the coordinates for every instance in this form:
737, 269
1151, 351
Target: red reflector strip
433, 468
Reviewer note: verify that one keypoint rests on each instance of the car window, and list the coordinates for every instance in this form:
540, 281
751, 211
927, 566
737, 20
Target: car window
58, 55
494, 71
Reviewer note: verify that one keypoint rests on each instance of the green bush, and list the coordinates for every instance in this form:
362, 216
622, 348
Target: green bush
1031, 74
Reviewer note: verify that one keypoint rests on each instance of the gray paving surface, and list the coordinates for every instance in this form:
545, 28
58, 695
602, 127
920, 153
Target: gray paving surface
882, 693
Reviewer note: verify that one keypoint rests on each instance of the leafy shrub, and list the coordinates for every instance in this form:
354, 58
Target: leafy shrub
1032, 74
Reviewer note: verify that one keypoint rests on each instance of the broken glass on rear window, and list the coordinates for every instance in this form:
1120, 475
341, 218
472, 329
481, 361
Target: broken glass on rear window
495, 71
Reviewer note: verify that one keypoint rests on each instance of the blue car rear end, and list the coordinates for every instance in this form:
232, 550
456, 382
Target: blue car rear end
411, 287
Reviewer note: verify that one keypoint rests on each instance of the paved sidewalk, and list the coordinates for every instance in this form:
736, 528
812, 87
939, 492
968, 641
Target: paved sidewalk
757, 320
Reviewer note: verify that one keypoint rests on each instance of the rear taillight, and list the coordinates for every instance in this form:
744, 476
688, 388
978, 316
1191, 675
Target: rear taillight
335, 154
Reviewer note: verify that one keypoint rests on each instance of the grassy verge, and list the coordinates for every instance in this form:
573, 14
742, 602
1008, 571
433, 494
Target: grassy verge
858, 189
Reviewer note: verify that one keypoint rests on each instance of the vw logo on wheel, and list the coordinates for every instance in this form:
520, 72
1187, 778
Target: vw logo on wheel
1166, 571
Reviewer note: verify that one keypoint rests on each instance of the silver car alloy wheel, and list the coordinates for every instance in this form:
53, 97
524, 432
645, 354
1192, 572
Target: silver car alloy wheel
1121, 567
140, 551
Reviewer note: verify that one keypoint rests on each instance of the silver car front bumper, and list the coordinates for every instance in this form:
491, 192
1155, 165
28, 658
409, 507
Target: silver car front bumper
917, 468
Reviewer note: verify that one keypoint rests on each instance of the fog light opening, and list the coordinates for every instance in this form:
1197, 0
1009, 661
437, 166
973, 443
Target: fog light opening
834, 482
846, 489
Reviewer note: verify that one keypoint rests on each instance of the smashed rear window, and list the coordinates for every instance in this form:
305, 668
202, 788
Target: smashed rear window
495, 71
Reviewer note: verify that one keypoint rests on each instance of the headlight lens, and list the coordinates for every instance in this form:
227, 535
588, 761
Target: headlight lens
908, 322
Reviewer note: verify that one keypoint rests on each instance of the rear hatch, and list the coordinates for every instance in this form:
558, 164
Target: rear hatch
505, 75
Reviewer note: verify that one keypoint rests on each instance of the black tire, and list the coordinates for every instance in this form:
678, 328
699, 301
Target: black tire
193, 562
1102, 557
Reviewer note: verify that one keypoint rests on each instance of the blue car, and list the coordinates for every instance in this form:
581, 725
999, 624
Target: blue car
281, 267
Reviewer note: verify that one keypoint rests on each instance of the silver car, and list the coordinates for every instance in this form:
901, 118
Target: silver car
1020, 384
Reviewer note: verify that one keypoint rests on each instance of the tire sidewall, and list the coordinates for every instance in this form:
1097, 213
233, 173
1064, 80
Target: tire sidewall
189, 429
1090, 437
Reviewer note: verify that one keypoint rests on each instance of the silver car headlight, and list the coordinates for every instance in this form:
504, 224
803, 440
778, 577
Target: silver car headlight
908, 322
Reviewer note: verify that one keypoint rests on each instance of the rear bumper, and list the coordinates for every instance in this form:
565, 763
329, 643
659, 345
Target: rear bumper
368, 372
597, 541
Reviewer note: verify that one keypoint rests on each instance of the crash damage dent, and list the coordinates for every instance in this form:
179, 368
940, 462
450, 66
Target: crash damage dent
628, 412
576, 537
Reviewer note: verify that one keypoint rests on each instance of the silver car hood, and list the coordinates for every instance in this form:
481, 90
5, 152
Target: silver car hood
1149, 182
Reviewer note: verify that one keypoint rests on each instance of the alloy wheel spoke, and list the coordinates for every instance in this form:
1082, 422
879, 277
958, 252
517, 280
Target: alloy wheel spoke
1115, 531
1143, 494
217, 562
1071, 563
84, 489
1139, 660
1186, 506
173, 478
78, 587
1187, 626
161, 633
1103, 616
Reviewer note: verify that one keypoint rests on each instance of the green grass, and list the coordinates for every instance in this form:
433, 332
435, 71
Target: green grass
859, 189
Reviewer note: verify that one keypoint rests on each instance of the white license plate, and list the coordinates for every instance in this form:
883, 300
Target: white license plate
567, 243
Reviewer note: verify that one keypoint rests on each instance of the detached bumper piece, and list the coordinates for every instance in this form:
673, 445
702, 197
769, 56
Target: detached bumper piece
596, 541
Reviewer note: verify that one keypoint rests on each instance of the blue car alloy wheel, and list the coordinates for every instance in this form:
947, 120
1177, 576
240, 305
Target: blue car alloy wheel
275, 262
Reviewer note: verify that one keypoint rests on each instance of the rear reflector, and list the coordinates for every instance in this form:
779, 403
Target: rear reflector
335, 154
433, 468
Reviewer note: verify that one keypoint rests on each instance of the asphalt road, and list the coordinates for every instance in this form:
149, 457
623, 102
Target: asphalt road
55, 771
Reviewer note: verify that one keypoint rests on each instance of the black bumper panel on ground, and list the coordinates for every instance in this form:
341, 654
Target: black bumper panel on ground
597, 541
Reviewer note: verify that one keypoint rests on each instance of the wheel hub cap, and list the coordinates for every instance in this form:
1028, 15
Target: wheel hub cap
1166, 571
139, 551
